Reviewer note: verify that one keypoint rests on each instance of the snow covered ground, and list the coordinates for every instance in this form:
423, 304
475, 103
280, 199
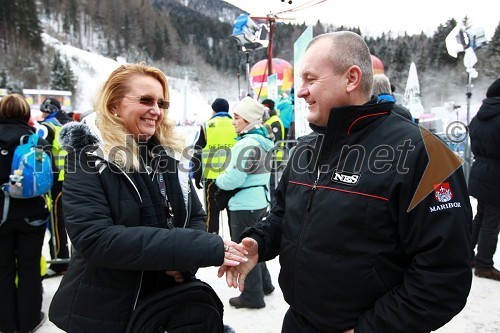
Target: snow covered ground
481, 313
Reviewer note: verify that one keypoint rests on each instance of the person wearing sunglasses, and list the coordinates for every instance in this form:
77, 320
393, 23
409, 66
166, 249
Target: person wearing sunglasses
132, 214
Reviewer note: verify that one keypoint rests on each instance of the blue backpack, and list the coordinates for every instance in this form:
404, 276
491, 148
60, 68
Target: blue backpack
31, 172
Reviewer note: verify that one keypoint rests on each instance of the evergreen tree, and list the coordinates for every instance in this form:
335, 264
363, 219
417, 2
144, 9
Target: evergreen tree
62, 77
400, 62
492, 67
3, 79
158, 44
126, 32
73, 15
437, 55
70, 77
28, 27
19, 25
57, 73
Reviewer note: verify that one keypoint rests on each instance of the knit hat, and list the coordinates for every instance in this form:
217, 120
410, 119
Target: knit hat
494, 89
250, 110
50, 105
269, 103
220, 105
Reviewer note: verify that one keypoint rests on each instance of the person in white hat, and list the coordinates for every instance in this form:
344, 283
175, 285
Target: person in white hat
248, 173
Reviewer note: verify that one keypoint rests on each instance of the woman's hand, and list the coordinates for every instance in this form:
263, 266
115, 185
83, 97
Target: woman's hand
234, 253
236, 274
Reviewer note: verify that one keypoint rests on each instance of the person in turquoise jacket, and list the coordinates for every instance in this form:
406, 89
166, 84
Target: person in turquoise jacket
287, 114
248, 171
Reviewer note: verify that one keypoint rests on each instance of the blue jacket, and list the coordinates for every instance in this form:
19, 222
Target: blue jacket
247, 168
286, 112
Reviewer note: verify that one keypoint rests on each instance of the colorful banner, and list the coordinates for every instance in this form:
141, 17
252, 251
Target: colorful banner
301, 109
272, 87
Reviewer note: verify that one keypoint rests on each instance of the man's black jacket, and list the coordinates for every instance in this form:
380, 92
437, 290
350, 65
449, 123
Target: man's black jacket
352, 251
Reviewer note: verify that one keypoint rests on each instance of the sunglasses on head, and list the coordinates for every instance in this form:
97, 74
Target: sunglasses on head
150, 101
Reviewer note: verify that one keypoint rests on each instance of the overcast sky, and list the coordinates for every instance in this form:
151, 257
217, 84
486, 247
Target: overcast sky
375, 17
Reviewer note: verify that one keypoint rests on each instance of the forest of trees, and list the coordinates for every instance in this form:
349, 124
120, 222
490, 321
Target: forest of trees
196, 39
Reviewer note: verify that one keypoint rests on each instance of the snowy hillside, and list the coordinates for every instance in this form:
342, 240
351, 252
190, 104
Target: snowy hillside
188, 105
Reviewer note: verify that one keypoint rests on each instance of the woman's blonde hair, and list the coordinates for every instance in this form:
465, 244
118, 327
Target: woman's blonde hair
15, 106
115, 137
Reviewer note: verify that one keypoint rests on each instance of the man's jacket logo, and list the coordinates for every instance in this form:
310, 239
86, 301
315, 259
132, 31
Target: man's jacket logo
442, 192
346, 178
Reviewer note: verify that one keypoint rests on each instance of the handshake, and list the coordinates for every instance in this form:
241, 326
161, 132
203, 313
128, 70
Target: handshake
239, 260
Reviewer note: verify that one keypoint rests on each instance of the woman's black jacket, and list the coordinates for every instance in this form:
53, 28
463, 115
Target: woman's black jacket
118, 255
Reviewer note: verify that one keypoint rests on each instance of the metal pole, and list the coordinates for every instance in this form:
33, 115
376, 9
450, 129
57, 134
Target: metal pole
248, 72
239, 88
469, 95
467, 153
270, 46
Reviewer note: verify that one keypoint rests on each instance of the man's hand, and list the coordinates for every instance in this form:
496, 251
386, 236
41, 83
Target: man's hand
236, 275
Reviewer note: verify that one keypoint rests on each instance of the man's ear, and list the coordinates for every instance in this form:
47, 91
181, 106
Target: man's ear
353, 78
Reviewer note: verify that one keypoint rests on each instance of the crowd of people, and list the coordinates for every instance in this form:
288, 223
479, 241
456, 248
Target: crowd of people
369, 238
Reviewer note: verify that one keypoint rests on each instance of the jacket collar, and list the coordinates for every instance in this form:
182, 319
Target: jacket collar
345, 121
352, 118
221, 114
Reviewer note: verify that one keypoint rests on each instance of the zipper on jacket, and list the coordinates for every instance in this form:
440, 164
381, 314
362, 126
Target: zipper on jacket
304, 221
188, 208
133, 185
309, 202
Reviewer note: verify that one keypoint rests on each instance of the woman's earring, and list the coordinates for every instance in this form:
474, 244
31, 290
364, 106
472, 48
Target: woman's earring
116, 115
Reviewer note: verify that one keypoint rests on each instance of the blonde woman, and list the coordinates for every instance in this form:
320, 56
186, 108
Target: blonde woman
131, 213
